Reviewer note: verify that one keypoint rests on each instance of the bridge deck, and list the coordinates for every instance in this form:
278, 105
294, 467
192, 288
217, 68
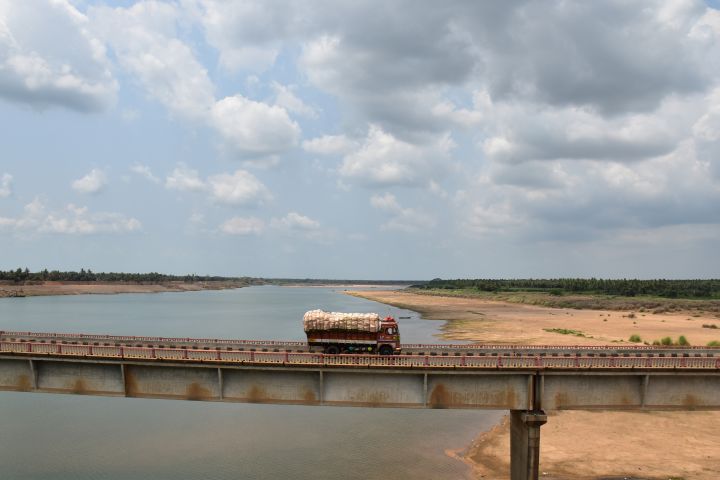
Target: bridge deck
289, 358
173, 347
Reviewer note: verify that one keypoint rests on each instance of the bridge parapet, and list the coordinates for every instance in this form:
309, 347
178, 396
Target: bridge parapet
289, 358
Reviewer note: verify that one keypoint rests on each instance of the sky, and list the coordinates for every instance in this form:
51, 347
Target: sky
367, 140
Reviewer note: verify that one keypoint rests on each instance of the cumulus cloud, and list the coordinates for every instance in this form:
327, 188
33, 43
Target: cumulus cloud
93, 182
5, 185
248, 35
329, 145
386, 160
185, 179
296, 221
402, 219
144, 171
286, 98
38, 70
73, 220
238, 188
144, 39
243, 226
521, 132
254, 129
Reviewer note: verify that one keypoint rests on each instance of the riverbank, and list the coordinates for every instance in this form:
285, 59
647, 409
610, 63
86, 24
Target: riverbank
108, 288
577, 444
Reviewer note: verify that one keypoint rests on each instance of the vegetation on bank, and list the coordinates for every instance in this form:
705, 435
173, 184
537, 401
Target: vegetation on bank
689, 289
335, 281
651, 296
22, 276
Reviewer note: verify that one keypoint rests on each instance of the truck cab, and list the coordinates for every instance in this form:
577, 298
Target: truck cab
388, 338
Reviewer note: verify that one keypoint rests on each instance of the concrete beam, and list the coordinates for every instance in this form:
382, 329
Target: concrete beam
630, 391
364, 386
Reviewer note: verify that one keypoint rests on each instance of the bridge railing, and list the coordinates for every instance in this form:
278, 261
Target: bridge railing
132, 339
84, 337
378, 361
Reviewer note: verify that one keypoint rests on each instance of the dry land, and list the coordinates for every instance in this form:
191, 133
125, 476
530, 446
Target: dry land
82, 288
578, 444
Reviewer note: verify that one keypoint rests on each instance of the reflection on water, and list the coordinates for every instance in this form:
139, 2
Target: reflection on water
46, 436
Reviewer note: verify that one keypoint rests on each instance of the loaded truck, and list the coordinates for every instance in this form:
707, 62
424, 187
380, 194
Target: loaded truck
337, 332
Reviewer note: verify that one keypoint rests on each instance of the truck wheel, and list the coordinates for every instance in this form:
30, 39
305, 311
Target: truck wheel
386, 350
332, 350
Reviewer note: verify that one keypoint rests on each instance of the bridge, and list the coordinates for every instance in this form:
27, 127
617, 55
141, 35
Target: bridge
527, 380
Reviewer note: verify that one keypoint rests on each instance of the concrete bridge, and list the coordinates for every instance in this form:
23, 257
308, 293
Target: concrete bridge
527, 381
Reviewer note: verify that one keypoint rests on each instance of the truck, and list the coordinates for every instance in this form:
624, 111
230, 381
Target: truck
337, 332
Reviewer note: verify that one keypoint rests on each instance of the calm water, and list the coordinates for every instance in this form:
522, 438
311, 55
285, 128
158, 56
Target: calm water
44, 436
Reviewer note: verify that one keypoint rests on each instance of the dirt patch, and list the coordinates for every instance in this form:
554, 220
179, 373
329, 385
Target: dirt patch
72, 288
593, 445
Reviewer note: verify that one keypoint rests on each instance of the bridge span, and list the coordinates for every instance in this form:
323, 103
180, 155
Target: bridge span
525, 380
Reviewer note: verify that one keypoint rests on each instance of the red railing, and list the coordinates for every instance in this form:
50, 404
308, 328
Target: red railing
399, 361
294, 343
127, 338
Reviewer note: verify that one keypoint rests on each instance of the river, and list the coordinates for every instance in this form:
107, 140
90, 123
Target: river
46, 436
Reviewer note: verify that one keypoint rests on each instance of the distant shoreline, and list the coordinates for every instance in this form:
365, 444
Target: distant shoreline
342, 285
52, 288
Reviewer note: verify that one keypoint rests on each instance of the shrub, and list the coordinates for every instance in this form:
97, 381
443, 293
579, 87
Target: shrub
632, 315
683, 341
666, 341
714, 343
635, 338
709, 325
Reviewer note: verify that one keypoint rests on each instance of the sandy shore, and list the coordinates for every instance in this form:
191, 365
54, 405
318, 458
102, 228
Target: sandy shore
487, 321
578, 444
72, 288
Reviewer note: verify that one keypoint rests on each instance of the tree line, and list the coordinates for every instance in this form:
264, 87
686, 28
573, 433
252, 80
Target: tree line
621, 287
21, 275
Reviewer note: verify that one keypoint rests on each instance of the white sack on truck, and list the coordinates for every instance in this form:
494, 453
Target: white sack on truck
315, 320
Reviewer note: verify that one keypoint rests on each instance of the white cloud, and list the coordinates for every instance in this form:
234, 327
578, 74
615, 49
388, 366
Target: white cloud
254, 129
144, 39
329, 145
145, 172
39, 69
5, 185
402, 219
247, 34
93, 182
493, 219
185, 179
239, 188
285, 97
243, 226
295, 221
386, 160
73, 220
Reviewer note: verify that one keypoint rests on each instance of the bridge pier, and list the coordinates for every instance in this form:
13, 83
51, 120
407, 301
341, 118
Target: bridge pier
525, 443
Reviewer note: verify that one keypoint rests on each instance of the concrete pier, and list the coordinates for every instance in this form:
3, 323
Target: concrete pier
525, 443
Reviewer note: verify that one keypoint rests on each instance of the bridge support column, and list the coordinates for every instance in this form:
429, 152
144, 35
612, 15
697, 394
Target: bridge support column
525, 443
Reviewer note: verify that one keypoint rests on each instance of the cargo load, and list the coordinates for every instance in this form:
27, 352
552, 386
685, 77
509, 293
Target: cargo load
319, 320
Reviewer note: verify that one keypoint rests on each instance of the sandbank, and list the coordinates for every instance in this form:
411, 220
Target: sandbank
583, 445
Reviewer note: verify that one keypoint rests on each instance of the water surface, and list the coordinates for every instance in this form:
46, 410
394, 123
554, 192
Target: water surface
46, 436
